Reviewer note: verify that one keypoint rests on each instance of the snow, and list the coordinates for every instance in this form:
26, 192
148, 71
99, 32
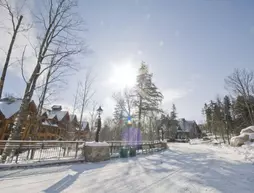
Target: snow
246, 150
47, 123
46, 156
182, 168
8, 109
249, 129
97, 144
251, 135
59, 114
185, 125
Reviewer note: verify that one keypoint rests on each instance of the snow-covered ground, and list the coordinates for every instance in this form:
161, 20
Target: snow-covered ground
183, 168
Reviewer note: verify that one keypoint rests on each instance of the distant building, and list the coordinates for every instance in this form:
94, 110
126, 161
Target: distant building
48, 128
83, 133
187, 129
54, 123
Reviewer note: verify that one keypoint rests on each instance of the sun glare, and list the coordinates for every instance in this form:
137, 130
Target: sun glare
123, 75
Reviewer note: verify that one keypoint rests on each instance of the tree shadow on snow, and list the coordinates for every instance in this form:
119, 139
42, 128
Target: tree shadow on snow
69, 179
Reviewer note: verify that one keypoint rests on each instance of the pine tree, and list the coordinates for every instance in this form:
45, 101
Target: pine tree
228, 117
148, 96
208, 114
173, 113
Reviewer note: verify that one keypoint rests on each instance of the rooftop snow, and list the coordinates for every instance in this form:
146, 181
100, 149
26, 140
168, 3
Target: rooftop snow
186, 125
9, 108
58, 114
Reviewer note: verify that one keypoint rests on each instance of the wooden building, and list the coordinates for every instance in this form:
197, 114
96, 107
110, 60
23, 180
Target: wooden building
9, 107
54, 124
48, 129
83, 133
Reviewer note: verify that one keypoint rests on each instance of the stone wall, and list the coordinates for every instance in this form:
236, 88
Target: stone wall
96, 153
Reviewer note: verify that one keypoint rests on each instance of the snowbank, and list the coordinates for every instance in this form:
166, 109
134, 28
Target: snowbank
246, 135
249, 129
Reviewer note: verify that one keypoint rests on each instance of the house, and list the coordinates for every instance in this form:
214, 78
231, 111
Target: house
48, 128
61, 118
9, 108
73, 127
83, 133
187, 129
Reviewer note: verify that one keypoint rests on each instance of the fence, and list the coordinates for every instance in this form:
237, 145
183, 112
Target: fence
41, 151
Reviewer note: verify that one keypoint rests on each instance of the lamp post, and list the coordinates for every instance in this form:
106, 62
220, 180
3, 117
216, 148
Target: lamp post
99, 110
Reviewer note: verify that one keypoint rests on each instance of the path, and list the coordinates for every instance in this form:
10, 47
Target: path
182, 168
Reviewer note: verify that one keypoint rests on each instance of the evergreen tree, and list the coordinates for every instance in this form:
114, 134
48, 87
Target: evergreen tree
208, 114
228, 117
148, 96
172, 123
173, 113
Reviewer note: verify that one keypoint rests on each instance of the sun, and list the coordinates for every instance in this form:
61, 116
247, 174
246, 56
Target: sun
123, 75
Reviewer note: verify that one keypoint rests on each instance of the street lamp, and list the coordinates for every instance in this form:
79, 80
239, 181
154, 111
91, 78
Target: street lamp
99, 110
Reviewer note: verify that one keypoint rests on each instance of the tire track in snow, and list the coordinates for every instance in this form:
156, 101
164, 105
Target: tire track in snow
160, 180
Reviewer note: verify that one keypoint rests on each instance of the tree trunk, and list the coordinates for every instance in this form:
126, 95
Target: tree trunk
227, 130
6, 64
42, 98
22, 114
15, 132
222, 135
139, 112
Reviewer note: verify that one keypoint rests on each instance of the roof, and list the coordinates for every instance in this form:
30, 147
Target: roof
85, 125
44, 110
58, 114
10, 107
186, 125
72, 117
48, 123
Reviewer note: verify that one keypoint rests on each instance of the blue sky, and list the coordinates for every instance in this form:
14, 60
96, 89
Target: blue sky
190, 46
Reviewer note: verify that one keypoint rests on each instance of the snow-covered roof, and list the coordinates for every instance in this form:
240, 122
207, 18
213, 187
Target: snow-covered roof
72, 117
44, 110
10, 107
85, 124
48, 123
185, 125
58, 114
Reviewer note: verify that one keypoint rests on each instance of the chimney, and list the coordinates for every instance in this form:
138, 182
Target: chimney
56, 107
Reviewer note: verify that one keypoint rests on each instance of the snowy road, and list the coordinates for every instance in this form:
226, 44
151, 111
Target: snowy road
183, 168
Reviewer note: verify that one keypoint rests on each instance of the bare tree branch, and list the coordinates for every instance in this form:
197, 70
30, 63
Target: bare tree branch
22, 64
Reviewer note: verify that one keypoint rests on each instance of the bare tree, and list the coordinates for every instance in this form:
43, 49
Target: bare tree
16, 20
93, 114
75, 104
92, 118
241, 83
125, 101
85, 94
57, 71
59, 27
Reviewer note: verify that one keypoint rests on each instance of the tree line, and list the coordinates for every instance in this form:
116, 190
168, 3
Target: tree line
140, 104
225, 117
